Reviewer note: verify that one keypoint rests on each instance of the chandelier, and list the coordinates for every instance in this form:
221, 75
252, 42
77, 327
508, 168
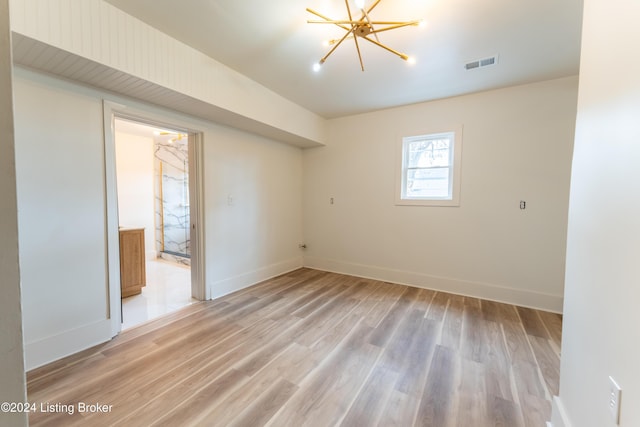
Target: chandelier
360, 29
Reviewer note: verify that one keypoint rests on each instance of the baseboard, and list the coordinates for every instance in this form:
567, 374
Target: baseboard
487, 291
559, 416
47, 350
233, 284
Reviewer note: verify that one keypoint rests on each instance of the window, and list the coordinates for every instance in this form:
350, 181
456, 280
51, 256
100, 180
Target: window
430, 170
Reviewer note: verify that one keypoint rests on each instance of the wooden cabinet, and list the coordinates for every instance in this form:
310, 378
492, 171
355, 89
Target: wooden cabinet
132, 261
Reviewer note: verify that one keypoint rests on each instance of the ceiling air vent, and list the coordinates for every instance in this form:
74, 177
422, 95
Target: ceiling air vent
479, 63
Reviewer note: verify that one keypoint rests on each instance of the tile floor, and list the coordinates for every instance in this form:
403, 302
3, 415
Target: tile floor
168, 289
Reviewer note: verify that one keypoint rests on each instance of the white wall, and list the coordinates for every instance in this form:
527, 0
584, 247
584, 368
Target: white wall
61, 207
60, 173
256, 233
601, 333
135, 174
517, 146
12, 378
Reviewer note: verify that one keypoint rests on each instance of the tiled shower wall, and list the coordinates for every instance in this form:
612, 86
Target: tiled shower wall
172, 200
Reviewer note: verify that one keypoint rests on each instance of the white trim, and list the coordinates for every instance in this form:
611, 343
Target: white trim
111, 214
456, 166
43, 351
487, 291
111, 111
241, 281
199, 290
559, 416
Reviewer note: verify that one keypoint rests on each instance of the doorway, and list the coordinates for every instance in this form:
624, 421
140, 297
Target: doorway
152, 178
153, 216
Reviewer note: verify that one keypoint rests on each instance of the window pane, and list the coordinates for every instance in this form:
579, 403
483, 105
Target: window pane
427, 183
428, 153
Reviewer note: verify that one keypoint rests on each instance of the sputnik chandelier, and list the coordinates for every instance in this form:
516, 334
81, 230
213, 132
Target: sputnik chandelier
361, 28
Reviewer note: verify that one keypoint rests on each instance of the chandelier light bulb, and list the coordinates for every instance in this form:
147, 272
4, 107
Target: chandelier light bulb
316, 67
359, 4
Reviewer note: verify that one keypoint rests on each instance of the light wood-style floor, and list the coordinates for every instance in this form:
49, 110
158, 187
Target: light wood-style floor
318, 349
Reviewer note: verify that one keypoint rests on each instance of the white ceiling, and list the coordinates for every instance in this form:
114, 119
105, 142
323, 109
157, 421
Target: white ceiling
271, 43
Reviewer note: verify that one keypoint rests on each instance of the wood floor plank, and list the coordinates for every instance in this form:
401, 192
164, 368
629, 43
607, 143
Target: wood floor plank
438, 306
548, 361
499, 312
436, 403
504, 413
528, 381
330, 390
413, 376
262, 409
191, 410
532, 323
497, 363
318, 349
474, 332
472, 397
517, 343
293, 363
400, 410
400, 344
367, 408
387, 327
553, 324
452, 326
535, 410
381, 302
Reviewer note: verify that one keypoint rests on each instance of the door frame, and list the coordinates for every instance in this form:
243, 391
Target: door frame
112, 111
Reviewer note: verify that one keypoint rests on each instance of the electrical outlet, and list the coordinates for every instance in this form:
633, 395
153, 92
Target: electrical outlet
614, 400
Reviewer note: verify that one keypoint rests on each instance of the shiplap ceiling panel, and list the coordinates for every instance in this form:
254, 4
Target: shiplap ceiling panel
39, 56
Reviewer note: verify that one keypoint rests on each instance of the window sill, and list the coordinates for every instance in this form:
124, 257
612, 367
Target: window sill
427, 202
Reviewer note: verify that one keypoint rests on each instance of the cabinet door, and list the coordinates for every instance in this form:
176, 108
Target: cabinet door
132, 259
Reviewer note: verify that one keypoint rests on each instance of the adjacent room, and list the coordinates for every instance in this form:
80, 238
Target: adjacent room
152, 183
358, 213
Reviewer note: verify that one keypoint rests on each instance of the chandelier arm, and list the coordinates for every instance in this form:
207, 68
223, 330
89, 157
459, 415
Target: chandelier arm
336, 45
395, 52
326, 19
415, 23
346, 2
366, 14
355, 39
372, 7
353, 22
393, 27
336, 22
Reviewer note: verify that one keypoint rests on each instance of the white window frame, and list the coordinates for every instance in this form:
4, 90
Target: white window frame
453, 198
